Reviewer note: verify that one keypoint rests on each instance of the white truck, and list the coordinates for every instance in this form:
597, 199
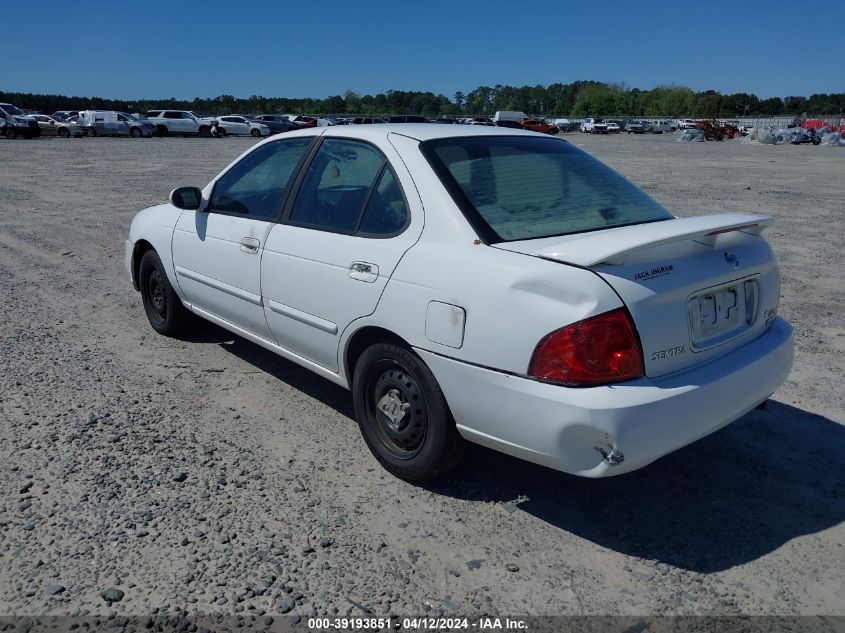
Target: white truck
509, 115
181, 122
594, 126
112, 123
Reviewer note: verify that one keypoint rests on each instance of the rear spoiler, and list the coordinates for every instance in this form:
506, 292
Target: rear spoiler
614, 245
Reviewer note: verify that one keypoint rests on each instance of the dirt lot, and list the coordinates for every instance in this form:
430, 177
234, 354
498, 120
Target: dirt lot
209, 475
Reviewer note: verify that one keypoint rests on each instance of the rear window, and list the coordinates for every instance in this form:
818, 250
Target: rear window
515, 188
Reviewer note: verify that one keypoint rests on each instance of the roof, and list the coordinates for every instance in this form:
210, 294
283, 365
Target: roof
417, 131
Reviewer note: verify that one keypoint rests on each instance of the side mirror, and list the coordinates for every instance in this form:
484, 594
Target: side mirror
187, 198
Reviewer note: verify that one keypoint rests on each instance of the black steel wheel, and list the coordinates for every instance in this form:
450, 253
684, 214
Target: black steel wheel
403, 413
255, 132
162, 305
63, 132
11, 132
135, 132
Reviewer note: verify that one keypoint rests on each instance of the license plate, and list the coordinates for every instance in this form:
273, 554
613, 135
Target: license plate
719, 314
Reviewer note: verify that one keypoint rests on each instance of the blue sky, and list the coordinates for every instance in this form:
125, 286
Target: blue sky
184, 49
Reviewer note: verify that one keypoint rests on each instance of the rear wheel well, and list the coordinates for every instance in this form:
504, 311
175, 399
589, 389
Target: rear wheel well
141, 247
364, 338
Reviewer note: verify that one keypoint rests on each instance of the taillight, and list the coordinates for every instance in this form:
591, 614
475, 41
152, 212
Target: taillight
597, 351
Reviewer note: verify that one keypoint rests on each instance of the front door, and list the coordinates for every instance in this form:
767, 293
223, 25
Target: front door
48, 126
329, 260
217, 251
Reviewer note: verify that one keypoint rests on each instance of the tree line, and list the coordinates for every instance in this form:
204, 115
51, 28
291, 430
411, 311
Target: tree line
577, 99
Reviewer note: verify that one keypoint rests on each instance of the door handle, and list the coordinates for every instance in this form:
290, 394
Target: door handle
363, 271
250, 245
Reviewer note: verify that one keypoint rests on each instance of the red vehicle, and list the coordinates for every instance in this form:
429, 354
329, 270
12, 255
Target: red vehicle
305, 121
536, 125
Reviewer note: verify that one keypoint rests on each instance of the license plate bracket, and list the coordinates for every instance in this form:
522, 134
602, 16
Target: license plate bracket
721, 313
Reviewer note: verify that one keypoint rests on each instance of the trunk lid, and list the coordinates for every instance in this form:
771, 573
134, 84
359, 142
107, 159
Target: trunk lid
697, 288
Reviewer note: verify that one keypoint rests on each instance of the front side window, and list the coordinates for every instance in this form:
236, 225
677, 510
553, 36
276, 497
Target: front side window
154, 114
256, 186
515, 188
350, 188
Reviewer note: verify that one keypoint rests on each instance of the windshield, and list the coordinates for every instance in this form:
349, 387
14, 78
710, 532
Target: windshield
516, 188
10, 109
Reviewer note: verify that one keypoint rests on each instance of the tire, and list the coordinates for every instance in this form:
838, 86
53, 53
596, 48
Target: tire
222, 132
92, 131
255, 133
424, 442
162, 130
63, 132
135, 132
203, 132
162, 305
11, 133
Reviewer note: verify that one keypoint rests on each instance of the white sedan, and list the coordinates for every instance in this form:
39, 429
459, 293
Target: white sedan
241, 126
475, 283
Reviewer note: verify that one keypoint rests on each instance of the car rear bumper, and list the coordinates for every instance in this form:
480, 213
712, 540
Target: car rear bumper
610, 430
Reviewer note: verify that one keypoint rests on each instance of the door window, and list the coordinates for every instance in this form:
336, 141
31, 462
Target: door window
256, 186
349, 188
386, 213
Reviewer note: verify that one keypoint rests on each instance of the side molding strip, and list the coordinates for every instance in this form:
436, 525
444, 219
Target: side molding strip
302, 317
219, 285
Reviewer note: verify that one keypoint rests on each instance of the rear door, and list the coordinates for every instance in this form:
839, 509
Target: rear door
173, 121
327, 263
217, 251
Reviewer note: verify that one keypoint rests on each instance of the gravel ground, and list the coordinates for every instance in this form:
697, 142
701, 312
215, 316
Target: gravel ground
145, 475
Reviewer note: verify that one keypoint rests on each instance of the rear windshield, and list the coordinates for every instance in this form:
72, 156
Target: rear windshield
515, 188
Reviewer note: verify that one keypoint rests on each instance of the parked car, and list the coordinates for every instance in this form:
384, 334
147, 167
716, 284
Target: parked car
360, 120
407, 118
659, 126
445, 120
111, 123
65, 114
614, 127
237, 125
686, 124
310, 121
51, 126
277, 123
538, 125
516, 125
635, 126
487, 121
562, 124
14, 123
471, 281
181, 122
594, 126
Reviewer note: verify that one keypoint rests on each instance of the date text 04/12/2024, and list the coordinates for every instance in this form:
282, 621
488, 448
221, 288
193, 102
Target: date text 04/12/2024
416, 624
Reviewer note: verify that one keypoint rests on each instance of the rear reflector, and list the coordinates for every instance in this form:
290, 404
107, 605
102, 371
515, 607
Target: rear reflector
597, 351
